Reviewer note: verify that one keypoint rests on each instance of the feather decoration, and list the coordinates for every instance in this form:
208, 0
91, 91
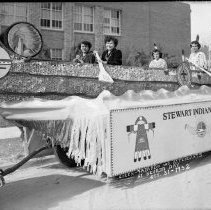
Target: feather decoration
155, 46
197, 38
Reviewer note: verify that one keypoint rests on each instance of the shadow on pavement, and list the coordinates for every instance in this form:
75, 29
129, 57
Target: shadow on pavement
59, 165
150, 175
43, 192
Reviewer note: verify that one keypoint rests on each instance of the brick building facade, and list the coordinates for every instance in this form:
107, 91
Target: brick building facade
137, 25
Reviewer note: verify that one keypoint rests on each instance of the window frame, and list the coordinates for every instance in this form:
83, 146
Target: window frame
14, 16
82, 22
120, 23
51, 52
52, 28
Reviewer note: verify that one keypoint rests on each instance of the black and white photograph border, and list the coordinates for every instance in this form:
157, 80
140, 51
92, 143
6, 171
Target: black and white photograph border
105, 105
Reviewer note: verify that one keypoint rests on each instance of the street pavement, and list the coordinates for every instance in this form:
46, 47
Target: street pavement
45, 184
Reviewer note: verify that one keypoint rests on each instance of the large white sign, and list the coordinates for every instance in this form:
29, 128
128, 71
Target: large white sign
144, 136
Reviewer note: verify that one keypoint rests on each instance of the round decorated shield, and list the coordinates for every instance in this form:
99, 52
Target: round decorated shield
201, 129
183, 74
23, 39
5, 62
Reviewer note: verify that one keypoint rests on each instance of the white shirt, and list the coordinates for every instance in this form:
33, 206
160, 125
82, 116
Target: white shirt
160, 63
198, 59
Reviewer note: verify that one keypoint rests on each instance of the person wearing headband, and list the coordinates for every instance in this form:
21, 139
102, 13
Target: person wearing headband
197, 58
158, 62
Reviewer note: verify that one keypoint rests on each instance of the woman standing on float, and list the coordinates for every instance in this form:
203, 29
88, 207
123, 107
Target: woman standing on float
197, 58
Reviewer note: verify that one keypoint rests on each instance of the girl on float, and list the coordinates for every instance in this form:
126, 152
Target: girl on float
84, 55
111, 55
158, 61
197, 58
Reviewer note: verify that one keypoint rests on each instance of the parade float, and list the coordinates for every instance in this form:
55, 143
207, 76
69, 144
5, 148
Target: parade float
143, 118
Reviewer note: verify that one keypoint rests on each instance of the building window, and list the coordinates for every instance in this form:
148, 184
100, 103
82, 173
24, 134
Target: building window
51, 15
112, 22
56, 54
83, 18
12, 12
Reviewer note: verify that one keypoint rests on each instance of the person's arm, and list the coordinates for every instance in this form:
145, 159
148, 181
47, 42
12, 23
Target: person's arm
202, 60
97, 57
165, 65
103, 58
92, 59
116, 58
77, 59
191, 62
151, 64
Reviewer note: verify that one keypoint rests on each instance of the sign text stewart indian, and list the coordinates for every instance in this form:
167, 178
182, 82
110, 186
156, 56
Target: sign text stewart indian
185, 113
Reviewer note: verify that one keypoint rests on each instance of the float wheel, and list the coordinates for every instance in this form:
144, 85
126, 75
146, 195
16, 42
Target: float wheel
61, 155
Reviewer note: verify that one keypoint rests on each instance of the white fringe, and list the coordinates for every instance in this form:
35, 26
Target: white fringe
87, 141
